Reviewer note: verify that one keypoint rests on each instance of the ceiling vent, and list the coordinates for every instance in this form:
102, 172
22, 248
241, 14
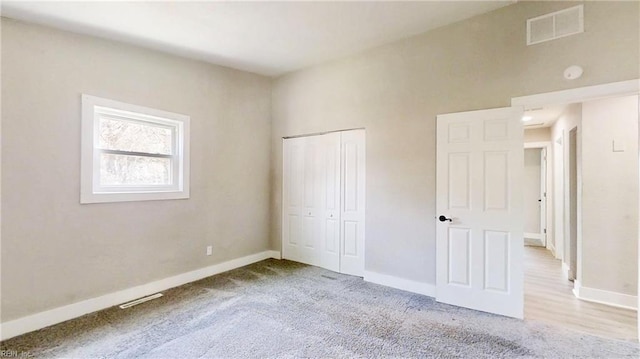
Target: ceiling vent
555, 25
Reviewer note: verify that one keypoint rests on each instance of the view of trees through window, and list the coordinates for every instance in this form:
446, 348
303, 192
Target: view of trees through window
134, 153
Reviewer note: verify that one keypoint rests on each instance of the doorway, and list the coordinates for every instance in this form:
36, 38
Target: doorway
591, 246
460, 281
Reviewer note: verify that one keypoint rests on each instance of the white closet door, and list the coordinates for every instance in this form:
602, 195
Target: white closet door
330, 201
323, 201
293, 166
311, 209
353, 190
301, 200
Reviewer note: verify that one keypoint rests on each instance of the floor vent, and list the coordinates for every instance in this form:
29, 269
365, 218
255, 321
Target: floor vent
140, 301
555, 25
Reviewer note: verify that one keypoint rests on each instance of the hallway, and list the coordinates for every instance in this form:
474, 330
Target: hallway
548, 298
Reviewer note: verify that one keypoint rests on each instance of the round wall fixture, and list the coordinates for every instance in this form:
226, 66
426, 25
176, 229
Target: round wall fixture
573, 72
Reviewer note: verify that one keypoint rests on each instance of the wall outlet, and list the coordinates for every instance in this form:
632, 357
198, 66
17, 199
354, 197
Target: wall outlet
209, 250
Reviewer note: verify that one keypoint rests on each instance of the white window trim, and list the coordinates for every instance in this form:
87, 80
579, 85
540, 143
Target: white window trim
90, 189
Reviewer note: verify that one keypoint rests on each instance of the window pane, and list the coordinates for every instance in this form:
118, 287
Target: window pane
135, 137
134, 170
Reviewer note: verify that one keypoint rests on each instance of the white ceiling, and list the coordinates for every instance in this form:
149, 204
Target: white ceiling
269, 38
543, 116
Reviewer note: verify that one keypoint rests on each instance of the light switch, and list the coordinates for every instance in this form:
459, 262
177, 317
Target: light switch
618, 146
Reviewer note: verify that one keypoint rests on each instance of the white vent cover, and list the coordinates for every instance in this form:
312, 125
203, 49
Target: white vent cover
555, 25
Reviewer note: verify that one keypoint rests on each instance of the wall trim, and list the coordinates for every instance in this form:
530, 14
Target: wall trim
540, 144
552, 249
533, 235
400, 283
565, 272
50, 317
580, 94
605, 297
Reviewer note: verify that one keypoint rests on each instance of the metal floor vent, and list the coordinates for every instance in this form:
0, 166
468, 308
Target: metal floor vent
328, 277
140, 301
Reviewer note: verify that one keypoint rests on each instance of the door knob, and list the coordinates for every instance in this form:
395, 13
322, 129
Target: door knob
444, 219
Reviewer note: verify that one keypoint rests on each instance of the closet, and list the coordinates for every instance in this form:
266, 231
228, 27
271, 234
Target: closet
323, 201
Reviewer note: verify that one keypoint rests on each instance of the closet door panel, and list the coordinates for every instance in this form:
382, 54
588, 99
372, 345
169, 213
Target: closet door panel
330, 201
353, 202
293, 186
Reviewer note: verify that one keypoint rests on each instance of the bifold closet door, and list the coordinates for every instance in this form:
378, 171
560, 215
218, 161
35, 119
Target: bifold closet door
323, 201
311, 200
353, 196
330, 201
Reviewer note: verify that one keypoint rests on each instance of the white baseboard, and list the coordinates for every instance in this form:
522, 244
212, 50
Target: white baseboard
57, 315
576, 287
565, 271
613, 299
533, 236
400, 283
552, 249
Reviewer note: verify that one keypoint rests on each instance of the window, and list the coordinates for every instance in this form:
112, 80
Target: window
132, 153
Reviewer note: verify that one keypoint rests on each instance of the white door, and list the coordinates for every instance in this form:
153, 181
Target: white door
479, 236
353, 189
301, 200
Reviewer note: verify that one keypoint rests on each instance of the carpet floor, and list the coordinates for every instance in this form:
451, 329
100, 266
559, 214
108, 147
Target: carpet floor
282, 309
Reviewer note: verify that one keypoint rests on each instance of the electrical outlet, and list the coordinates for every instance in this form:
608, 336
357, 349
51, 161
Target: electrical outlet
209, 250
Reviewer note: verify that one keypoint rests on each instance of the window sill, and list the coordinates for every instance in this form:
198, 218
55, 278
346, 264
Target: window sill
87, 198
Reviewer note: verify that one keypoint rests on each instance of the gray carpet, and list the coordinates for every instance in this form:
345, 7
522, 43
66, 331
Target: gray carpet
281, 309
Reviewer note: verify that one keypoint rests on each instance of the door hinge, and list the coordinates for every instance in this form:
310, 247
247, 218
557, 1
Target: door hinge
545, 231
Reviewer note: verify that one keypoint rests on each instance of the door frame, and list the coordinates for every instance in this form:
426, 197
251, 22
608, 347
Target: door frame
582, 94
548, 181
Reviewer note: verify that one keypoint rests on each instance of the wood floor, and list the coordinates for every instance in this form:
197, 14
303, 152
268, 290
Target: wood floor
548, 298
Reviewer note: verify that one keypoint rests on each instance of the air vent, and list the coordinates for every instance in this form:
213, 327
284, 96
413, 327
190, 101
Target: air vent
555, 25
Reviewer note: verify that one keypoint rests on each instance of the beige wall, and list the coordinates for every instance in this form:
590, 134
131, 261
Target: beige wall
397, 90
610, 195
537, 134
56, 251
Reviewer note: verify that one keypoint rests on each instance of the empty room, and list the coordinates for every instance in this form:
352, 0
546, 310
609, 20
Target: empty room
319, 179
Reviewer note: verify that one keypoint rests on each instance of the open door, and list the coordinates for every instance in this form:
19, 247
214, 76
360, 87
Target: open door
479, 235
